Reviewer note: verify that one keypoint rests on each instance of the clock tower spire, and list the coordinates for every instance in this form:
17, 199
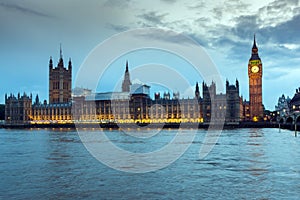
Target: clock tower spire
255, 84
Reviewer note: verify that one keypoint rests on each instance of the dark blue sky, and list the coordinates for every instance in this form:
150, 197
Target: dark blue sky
31, 32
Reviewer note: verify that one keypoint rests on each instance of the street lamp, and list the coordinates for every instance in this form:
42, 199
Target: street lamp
295, 122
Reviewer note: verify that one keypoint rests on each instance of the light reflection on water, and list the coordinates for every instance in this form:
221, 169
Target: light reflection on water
245, 163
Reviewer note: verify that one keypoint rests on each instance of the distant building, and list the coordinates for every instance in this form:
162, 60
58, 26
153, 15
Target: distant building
78, 91
246, 111
283, 106
52, 113
101, 107
59, 108
294, 104
18, 110
140, 89
233, 102
134, 104
221, 106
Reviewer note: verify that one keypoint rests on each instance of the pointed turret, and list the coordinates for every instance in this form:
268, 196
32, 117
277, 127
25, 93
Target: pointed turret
37, 100
60, 51
50, 63
126, 70
70, 64
61, 61
126, 82
197, 92
254, 44
254, 55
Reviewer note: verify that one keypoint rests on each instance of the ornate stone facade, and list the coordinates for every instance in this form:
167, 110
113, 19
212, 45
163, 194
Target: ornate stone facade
60, 81
132, 105
18, 110
255, 70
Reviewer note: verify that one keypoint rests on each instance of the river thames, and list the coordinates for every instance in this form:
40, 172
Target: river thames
244, 164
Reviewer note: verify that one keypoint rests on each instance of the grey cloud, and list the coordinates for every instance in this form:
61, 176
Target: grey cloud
117, 3
167, 36
169, 1
198, 5
202, 20
117, 28
218, 12
153, 18
275, 74
277, 10
203, 41
24, 10
235, 6
279, 5
245, 25
229, 8
287, 32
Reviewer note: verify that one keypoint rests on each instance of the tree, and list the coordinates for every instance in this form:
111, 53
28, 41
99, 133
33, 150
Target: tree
2, 111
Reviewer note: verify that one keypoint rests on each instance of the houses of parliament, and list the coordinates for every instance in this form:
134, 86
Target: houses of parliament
133, 103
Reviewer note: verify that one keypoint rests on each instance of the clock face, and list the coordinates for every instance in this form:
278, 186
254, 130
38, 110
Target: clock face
254, 69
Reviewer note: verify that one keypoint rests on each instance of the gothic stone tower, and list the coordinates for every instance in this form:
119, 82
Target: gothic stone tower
126, 82
209, 95
255, 84
232, 102
60, 81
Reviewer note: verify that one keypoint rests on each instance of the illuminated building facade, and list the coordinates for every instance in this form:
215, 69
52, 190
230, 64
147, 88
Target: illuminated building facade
255, 85
221, 106
18, 109
51, 113
132, 105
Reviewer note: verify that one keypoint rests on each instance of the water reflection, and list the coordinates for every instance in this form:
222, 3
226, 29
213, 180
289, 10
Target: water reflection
60, 169
257, 157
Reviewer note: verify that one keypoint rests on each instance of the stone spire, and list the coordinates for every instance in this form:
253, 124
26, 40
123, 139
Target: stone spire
61, 61
126, 82
197, 92
254, 54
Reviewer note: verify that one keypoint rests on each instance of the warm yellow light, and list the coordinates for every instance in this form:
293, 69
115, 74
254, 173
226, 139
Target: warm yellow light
255, 119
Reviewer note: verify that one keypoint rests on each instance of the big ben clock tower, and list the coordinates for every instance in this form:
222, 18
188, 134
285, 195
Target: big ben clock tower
255, 84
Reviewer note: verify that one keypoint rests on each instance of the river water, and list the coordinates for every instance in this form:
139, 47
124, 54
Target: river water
244, 164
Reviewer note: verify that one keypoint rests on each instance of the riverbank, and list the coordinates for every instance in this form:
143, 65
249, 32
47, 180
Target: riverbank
158, 125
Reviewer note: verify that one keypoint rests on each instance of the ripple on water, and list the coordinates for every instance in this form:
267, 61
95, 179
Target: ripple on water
244, 164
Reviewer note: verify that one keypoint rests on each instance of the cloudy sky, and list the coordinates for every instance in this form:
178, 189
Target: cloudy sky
31, 32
